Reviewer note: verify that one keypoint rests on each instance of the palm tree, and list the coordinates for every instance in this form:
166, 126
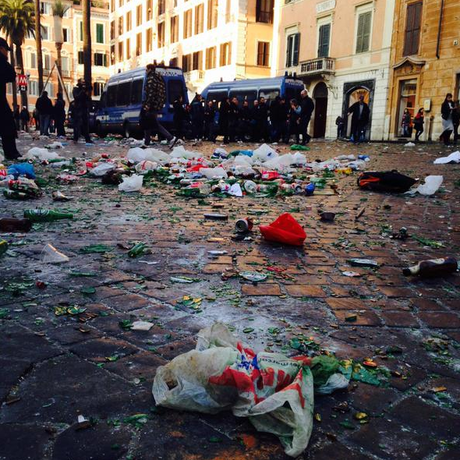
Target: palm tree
86, 11
38, 45
58, 13
17, 21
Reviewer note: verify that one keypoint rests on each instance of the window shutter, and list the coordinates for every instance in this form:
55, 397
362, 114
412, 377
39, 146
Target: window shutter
412, 33
288, 50
323, 40
367, 31
295, 57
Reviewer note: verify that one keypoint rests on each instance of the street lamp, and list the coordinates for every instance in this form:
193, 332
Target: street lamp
58, 13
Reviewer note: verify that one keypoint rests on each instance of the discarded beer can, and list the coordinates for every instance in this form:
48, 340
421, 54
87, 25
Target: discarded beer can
244, 225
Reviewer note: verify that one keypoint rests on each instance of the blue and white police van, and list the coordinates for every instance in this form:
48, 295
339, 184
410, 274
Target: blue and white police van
256, 88
122, 98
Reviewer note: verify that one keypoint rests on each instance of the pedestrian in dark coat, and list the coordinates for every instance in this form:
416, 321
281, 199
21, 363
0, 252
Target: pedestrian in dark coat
59, 114
295, 114
360, 119
44, 108
418, 124
197, 115
233, 117
306, 109
262, 126
209, 114
7, 126
224, 110
179, 116
456, 121
25, 118
80, 111
447, 109
244, 122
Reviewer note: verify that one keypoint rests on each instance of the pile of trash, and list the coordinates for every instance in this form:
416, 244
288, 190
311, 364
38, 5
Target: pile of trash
275, 392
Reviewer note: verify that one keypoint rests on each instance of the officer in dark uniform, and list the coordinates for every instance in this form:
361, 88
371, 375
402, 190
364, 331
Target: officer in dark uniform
7, 126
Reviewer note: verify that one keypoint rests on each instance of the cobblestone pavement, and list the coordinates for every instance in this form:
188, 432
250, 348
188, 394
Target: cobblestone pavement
55, 368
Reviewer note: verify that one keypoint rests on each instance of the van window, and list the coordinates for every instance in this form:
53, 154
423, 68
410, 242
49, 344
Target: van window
124, 93
292, 93
175, 89
112, 96
244, 94
104, 99
216, 95
269, 93
136, 91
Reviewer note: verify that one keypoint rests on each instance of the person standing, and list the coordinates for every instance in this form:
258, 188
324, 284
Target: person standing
418, 123
254, 118
244, 122
224, 110
340, 122
456, 120
44, 108
233, 117
405, 123
359, 120
25, 118
209, 113
36, 119
295, 114
7, 126
59, 115
155, 97
80, 111
447, 124
179, 116
262, 120
197, 114
306, 109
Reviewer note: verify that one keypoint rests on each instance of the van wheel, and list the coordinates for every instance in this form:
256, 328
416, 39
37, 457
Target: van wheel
127, 130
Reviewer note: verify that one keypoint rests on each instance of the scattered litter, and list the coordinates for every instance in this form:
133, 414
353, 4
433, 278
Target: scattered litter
409, 144
141, 326
254, 277
452, 158
284, 230
51, 255
363, 263
131, 184
430, 187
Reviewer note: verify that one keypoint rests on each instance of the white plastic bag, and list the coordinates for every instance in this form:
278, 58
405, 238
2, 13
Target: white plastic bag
264, 153
102, 169
136, 154
430, 187
273, 391
131, 183
452, 158
214, 173
40, 154
235, 190
146, 165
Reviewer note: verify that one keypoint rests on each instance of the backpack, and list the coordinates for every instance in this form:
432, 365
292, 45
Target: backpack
155, 91
389, 181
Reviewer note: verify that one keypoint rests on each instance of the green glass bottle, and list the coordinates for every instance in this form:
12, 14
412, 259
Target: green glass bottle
15, 195
3, 247
137, 250
46, 215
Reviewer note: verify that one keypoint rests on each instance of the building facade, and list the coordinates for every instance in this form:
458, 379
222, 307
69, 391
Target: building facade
210, 39
340, 49
71, 54
425, 61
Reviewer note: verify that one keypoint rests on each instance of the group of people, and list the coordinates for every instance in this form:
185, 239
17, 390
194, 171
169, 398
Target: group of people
237, 120
48, 116
450, 114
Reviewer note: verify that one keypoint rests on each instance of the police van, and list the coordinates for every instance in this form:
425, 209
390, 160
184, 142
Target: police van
122, 98
252, 89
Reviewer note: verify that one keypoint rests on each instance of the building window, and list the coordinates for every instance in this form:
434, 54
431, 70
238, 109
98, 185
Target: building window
263, 54
161, 7
112, 54
412, 33
98, 88
225, 54
211, 58
186, 63
199, 19
120, 51
148, 40
121, 2
46, 33
324, 35
65, 35
112, 30
99, 33
363, 36
228, 10
80, 57
188, 24
65, 66
174, 29
128, 48
212, 14
120, 26
33, 88
33, 60
128, 21
46, 62
112, 5
197, 61
100, 59
138, 44
161, 34
45, 8
149, 10
264, 11
139, 15
292, 50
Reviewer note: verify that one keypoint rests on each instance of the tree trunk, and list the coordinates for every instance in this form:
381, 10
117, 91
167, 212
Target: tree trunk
13, 63
38, 43
20, 64
86, 11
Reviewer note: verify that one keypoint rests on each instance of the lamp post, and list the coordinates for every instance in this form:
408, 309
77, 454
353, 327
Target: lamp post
58, 38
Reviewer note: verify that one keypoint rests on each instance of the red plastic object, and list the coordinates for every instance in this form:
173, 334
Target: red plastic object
285, 230
270, 175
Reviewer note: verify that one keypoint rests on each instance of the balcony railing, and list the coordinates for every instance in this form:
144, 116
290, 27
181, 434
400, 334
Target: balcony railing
317, 66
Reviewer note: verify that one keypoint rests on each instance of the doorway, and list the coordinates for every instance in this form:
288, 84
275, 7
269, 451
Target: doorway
407, 97
320, 97
354, 97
